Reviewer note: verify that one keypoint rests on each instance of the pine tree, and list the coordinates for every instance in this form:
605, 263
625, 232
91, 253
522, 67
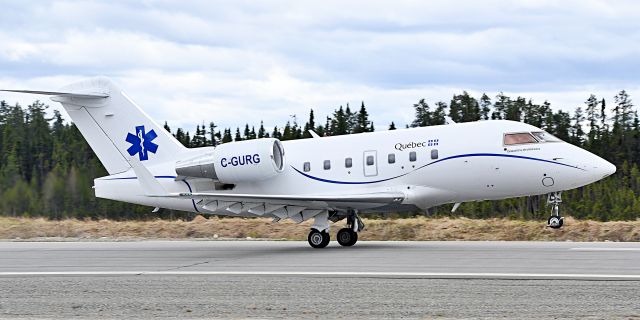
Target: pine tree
187, 140
182, 137
213, 135
247, 132
362, 121
226, 137
592, 117
166, 127
562, 127
423, 114
514, 109
534, 114
199, 137
437, 117
261, 131
464, 108
485, 107
577, 133
327, 127
623, 113
340, 122
276, 133
350, 118
500, 107
310, 125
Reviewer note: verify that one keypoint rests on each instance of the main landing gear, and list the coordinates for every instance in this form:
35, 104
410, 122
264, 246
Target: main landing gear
318, 239
555, 221
347, 237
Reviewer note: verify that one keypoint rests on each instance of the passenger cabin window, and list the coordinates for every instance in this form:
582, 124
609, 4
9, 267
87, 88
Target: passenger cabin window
412, 156
369, 160
307, 167
543, 136
348, 163
518, 138
327, 164
392, 158
434, 154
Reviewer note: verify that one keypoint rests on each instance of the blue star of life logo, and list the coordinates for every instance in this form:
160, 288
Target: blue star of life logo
142, 143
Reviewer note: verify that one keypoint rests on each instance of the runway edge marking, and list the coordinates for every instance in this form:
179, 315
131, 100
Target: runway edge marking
451, 275
602, 249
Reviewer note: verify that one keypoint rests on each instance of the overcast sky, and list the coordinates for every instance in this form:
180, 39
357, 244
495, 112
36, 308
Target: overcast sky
235, 62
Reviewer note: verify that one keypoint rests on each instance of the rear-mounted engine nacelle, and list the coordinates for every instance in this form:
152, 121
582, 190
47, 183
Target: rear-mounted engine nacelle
234, 162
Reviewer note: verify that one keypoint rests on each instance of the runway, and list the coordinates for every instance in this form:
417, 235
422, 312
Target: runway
281, 279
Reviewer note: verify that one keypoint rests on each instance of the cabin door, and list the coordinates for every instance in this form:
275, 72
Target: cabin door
370, 163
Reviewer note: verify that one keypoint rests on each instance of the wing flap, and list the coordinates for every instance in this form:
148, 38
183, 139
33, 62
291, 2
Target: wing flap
376, 197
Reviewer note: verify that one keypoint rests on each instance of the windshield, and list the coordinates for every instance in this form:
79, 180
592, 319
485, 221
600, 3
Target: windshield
518, 138
544, 136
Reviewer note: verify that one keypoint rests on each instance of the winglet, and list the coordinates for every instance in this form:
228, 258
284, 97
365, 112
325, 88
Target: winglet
147, 181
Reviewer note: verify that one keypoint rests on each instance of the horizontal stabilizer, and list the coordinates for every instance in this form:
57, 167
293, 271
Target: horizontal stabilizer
64, 94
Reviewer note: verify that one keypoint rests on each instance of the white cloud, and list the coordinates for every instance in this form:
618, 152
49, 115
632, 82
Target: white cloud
246, 61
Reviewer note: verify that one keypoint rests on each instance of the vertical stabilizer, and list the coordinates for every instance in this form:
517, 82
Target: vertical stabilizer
115, 127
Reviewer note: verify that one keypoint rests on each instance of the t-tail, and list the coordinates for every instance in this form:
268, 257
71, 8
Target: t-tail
114, 126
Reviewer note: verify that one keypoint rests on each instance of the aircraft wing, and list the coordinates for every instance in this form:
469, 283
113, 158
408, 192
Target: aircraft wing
295, 207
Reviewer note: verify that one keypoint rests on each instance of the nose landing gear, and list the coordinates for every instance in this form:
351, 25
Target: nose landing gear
555, 221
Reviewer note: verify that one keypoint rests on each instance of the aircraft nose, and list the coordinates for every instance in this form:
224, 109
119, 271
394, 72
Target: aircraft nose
609, 168
602, 168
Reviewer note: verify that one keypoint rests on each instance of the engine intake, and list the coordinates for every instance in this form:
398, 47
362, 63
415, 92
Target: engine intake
233, 162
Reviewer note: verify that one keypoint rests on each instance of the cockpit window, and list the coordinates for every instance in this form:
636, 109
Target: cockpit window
544, 136
518, 138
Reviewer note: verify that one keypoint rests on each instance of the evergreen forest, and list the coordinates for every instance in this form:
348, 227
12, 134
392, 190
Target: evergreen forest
47, 168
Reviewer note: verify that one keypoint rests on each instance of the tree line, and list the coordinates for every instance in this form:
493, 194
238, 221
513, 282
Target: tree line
47, 168
342, 121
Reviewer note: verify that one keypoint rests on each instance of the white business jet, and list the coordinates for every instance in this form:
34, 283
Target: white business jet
323, 178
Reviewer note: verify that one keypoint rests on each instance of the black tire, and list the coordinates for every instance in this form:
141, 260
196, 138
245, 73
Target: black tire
318, 239
553, 224
326, 238
347, 237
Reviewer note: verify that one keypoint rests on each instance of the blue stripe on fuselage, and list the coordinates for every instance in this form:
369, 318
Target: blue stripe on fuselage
434, 162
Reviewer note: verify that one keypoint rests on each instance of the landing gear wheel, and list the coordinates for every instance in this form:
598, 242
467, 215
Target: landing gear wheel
318, 239
347, 237
555, 222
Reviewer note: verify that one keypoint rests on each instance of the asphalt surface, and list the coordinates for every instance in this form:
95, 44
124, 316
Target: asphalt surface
271, 279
